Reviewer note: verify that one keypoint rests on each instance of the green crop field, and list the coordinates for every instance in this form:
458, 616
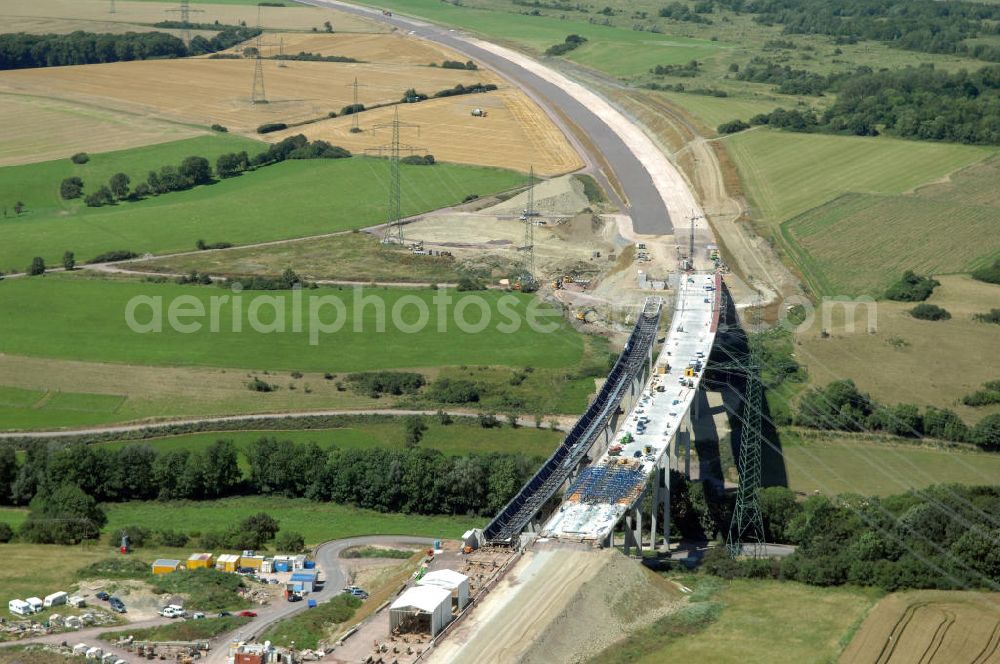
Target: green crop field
93, 327
832, 465
852, 245
456, 439
272, 203
787, 173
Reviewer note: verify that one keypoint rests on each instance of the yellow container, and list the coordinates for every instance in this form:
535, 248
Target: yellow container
165, 566
201, 561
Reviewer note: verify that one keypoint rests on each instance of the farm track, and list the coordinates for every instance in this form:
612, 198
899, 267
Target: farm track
564, 421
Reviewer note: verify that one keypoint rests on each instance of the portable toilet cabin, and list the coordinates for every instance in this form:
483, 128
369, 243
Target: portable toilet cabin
35, 603
200, 561
252, 562
55, 599
227, 562
165, 566
19, 606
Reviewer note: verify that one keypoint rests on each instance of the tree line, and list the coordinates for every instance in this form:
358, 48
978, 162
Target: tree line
916, 25
941, 537
196, 170
22, 50
410, 480
841, 406
915, 102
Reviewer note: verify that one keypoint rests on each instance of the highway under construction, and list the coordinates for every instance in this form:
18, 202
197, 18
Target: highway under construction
623, 445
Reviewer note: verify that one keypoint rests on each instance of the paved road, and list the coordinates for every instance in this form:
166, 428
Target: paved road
644, 202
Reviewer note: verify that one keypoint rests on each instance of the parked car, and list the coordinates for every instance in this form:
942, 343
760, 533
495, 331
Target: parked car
197, 615
103, 596
358, 592
294, 598
247, 614
117, 605
223, 614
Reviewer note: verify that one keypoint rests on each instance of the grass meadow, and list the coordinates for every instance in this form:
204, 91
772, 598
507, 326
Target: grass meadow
458, 439
833, 464
749, 622
286, 200
619, 51
841, 250
787, 173
93, 327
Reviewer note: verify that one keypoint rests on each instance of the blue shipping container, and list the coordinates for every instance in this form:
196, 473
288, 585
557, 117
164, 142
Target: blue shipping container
310, 564
281, 566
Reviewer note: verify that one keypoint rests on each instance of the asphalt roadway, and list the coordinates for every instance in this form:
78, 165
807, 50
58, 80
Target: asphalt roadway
643, 201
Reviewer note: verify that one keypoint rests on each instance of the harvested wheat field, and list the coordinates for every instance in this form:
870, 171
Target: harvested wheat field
930, 627
394, 48
203, 91
69, 15
515, 133
54, 129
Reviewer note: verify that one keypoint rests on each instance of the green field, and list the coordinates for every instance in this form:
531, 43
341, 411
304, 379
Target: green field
317, 522
240, 210
771, 622
25, 409
787, 173
459, 438
842, 251
850, 246
92, 327
619, 51
832, 465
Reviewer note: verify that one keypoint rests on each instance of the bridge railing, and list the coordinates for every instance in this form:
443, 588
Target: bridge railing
537, 490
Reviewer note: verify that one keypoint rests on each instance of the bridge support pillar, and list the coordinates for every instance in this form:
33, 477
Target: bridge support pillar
661, 499
633, 525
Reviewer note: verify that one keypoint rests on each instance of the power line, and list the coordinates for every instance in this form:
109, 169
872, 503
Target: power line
746, 530
394, 222
185, 11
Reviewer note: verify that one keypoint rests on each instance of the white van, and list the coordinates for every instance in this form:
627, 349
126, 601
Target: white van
36, 604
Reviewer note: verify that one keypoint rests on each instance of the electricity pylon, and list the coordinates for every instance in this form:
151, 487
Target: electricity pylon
746, 531
185, 12
394, 225
528, 217
355, 129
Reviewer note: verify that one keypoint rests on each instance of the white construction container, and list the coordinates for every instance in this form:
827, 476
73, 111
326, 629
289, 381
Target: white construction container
298, 562
55, 599
77, 601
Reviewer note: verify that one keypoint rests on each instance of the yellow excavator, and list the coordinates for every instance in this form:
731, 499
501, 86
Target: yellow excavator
581, 315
